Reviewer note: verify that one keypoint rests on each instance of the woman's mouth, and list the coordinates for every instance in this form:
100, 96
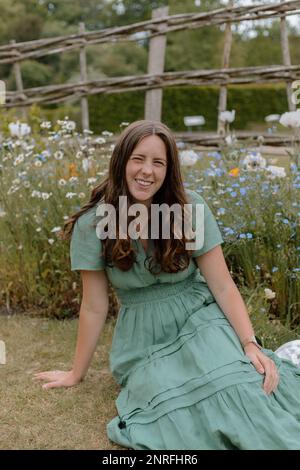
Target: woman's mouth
143, 183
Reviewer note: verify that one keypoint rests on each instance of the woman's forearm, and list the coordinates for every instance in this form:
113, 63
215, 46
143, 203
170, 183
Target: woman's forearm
233, 305
89, 329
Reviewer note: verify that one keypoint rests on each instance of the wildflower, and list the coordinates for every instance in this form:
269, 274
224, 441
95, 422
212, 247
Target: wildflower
58, 155
79, 154
86, 165
18, 129
70, 195
221, 211
269, 294
46, 195
38, 229
45, 125
62, 182
91, 180
230, 139
291, 119
51, 241
234, 172
254, 161
81, 195
56, 229
73, 179
73, 170
272, 118
38, 163
100, 141
124, 124
70, 126
188, 157
276, 171
227, 116
274, 269
19, 159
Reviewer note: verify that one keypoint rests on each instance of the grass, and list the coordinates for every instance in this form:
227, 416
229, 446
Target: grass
70, 418
76, 417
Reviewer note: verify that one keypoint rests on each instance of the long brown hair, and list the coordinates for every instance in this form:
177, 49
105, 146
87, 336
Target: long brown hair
170, 255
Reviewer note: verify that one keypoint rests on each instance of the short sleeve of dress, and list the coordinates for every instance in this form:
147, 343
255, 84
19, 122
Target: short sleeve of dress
85, 246
212, 234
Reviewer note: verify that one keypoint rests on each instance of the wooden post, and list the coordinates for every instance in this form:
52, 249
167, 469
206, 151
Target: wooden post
225, 65
285, 48
156, 63
19, 83
83, 77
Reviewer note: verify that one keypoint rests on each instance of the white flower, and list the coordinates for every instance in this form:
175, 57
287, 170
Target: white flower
107, 133
26, 184
254, 161
46, 125
37, 163
100, 140
18, 129
74, 285
36, 193
58, 155
269, 294
91, 180
19, 159
70, 195
73, 179
188, 157
51, 241
38, 229
276, 171
81, 195
227, 116
2, 213
230, 139
70, 125
291, 119
46, 195
56, 229
20, 247
272, 118
79, 155
62, 182
86, 164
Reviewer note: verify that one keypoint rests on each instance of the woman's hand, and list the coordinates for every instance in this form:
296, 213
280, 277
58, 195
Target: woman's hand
57, 378
264, 365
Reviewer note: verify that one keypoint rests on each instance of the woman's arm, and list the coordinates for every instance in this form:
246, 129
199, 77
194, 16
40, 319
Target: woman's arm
92, 316
214, 269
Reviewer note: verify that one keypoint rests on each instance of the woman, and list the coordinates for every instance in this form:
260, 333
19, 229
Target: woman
184, 352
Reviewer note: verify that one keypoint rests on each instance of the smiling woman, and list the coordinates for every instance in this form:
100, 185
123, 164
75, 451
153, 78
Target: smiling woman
191, 373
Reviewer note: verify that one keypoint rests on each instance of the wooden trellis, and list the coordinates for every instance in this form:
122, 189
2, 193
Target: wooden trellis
156, 79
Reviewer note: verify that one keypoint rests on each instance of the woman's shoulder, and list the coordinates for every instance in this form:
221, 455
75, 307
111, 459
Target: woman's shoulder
194, 197
87, 221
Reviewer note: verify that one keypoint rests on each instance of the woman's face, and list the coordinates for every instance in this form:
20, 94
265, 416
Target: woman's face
146, 169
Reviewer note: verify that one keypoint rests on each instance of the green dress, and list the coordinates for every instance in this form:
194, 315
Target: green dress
185, 380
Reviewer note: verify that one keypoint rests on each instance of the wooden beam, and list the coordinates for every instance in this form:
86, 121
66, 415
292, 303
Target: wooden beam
156, 65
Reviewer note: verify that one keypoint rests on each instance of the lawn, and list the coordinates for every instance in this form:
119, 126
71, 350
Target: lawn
34, 418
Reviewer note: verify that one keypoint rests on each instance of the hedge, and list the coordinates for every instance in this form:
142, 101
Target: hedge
251, 102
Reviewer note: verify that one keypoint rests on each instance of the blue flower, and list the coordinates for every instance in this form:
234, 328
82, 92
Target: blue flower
233, 194
286, 221
243, 191
274, 269
242, 235
249, 235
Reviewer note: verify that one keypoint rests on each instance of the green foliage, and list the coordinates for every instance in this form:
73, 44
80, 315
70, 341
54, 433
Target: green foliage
107, 111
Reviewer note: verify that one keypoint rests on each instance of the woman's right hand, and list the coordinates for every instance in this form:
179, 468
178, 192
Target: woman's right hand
57, 378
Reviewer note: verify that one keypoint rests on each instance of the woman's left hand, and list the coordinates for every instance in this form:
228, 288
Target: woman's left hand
264, 365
